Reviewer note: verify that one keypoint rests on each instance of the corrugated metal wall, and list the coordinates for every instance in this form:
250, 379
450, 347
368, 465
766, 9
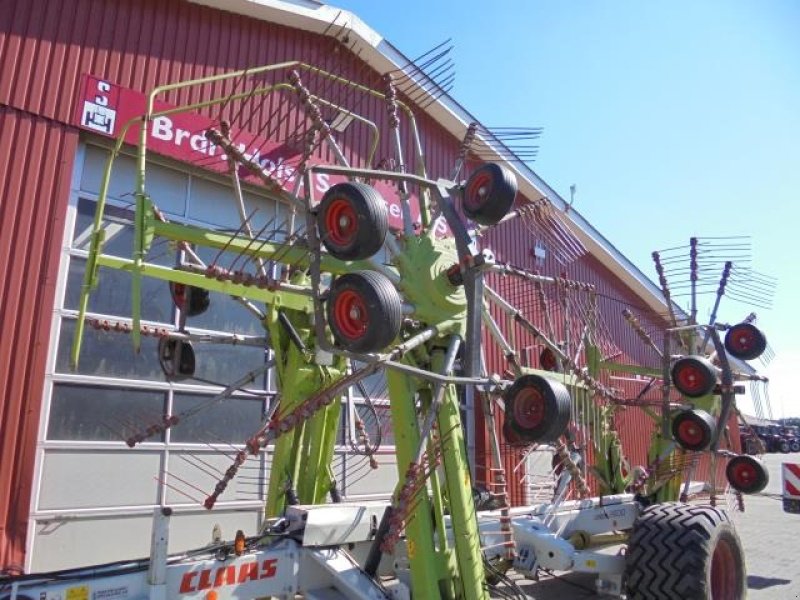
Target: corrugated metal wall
35, 167
45, 48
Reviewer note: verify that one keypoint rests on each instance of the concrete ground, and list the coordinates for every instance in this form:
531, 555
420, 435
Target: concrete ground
771, 540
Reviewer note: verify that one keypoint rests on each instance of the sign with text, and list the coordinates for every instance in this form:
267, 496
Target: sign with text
105, 108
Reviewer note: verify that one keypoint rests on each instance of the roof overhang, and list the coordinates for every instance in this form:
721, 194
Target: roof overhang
315, 17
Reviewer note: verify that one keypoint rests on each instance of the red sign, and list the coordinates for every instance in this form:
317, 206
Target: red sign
105, 108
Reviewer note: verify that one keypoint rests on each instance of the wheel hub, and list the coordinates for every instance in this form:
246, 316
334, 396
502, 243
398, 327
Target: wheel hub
424, 282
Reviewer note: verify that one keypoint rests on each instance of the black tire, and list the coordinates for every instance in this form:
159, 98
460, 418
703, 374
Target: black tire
364, 311
745, 341
794, 446
352, 221
693, 429
176, 358
694, 376
783, 446
489, 193
684, 551
747, 474
189, 299
537, 409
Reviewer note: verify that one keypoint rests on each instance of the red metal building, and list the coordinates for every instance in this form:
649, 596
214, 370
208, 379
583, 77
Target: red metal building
48, 169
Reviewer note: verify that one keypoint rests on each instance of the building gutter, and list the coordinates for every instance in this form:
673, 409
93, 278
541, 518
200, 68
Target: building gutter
315, 17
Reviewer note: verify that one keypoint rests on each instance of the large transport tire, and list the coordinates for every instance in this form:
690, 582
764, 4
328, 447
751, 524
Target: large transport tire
364, 311
747, 474
784, 447
537, 409
684, 551
794, 446
694, 376
489, 193
352, 221
694, 429
745, 341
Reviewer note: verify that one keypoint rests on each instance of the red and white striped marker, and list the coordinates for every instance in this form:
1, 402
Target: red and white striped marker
791, 488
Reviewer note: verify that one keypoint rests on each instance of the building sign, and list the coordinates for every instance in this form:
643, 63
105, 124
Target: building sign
106, 108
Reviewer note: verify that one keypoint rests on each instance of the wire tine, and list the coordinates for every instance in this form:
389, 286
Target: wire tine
163, 482
214, 475
423, 55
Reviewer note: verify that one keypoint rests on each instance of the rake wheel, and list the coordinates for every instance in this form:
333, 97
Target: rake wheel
693, 429
537, 409
489, 194
694, 376
364, 311
352, 221
747, 474
745, 341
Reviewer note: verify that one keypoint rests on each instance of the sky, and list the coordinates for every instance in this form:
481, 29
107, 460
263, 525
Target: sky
672, 119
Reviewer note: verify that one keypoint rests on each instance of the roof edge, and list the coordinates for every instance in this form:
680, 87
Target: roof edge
316, 17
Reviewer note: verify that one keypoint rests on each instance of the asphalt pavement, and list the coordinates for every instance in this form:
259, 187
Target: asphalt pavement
770, 537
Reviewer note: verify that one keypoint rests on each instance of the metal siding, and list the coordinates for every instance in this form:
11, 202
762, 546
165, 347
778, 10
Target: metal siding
35, 166
44, 51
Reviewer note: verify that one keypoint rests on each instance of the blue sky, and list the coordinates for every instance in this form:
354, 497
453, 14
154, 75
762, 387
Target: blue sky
673, 119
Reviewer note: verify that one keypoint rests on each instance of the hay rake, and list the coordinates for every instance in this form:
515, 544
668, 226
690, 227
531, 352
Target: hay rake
342, 297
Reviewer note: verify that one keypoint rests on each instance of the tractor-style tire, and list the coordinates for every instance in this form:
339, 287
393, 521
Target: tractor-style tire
694, 429
747, 474
537, 409
352, 221
489, 193
784, 447
684, 551
694, 376
745, 341
364, 311
794, 446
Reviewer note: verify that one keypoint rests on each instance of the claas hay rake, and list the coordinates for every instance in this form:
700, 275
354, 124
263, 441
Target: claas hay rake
374, 268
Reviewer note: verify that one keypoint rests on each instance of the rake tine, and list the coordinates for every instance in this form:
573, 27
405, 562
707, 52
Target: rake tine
163, 482
213, 475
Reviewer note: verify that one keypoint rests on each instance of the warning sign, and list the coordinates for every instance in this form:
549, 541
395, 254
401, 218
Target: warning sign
791, 488
80, 592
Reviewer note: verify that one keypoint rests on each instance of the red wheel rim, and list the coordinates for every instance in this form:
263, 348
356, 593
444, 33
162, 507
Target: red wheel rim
742, 339
690, 433
179, 295
743, 474
691, 379
724, 575
547, 360
529, 408
478, 190
350, 313
341, 222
